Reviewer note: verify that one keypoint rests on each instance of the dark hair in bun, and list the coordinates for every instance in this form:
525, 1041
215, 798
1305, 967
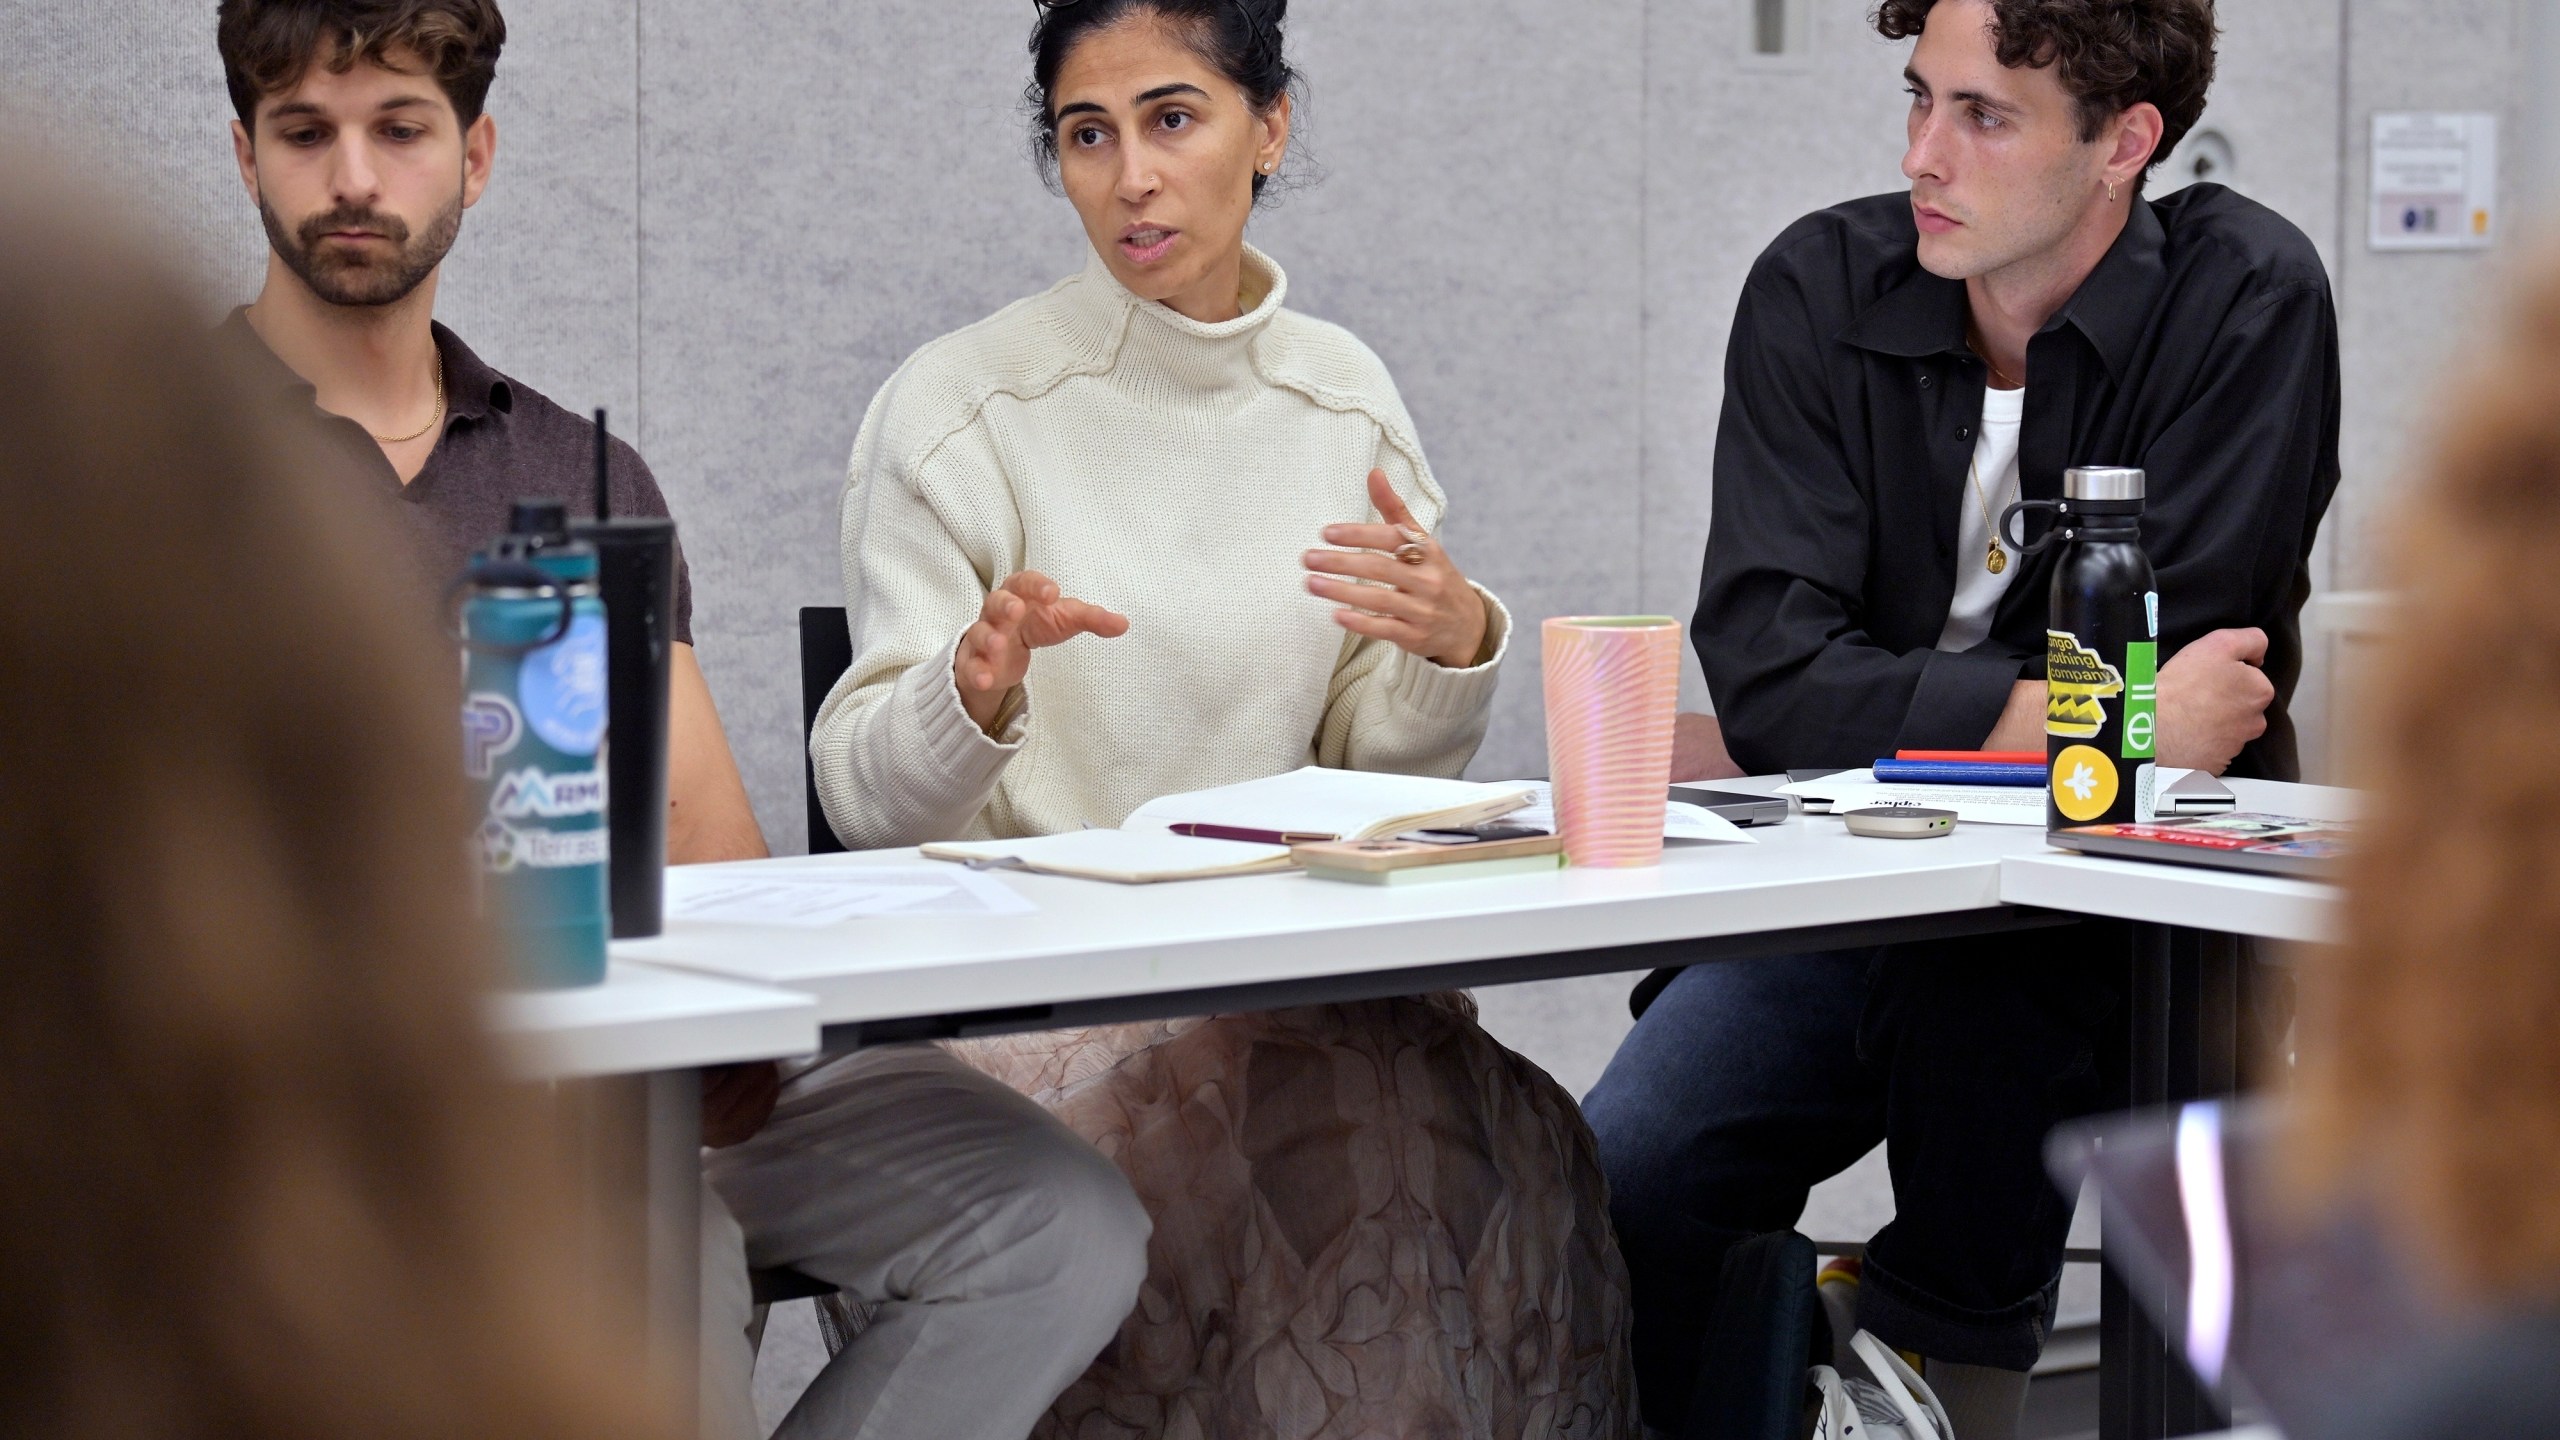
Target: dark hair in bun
1241, 38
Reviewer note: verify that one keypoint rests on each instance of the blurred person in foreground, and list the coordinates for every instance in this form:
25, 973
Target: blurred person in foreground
2430, 1040
985, 1239
259, 1175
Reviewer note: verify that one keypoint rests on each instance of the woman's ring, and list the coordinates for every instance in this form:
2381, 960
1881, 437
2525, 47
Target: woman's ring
1413, 551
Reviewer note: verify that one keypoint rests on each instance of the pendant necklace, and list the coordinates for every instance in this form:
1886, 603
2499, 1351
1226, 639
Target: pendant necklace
1996, 559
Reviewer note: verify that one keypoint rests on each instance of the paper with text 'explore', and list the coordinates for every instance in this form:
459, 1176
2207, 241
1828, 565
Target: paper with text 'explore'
813, 897
1334, 804
1973, 804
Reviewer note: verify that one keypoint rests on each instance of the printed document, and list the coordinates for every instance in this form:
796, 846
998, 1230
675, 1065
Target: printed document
1973, 804
812, 897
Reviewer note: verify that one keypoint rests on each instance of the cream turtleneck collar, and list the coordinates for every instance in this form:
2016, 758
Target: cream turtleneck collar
1149, 340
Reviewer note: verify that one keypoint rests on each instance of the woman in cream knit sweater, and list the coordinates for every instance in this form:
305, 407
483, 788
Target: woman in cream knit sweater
1089, 545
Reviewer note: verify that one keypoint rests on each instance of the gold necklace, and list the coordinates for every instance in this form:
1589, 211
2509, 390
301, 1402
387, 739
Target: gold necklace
1981, 352
432, 421
1998, 559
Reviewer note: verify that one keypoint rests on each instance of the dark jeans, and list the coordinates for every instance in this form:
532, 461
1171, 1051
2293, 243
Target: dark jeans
1747, 1082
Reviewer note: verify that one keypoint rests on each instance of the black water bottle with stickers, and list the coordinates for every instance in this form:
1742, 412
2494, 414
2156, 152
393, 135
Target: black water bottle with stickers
2102, 649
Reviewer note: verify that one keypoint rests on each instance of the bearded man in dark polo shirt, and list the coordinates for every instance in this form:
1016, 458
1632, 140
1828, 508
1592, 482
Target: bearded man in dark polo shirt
996, 1250
1901, 368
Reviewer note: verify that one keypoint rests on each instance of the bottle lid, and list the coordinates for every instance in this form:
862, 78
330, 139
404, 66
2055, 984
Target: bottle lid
548, 519
538, 531
2102, 482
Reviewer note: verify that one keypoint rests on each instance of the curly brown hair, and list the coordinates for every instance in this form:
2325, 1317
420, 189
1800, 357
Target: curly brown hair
268, 45
2430, 1079
2111, 55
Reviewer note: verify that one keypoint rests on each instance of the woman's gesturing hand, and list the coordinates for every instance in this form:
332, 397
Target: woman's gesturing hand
1024, 614
1420, 602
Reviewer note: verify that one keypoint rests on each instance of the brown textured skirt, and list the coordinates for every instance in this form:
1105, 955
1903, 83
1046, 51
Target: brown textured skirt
1370, 1220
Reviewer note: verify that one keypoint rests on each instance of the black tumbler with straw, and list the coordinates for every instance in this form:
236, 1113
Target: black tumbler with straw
637, 573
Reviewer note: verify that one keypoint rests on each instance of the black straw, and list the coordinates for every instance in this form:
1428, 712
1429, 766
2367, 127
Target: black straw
604, 487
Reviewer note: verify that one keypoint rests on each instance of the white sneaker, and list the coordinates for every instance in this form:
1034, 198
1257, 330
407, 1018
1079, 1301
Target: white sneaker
1895, 1405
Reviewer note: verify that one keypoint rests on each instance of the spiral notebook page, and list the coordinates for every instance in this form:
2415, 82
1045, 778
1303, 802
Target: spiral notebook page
1345, 804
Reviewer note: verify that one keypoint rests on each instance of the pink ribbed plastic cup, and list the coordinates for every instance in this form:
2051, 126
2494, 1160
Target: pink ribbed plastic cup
1613, 690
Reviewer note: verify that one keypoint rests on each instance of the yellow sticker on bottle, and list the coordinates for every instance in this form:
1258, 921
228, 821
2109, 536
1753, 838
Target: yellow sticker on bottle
2077, 684
2084, 782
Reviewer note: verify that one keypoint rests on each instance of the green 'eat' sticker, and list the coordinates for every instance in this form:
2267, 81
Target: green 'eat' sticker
2141, 698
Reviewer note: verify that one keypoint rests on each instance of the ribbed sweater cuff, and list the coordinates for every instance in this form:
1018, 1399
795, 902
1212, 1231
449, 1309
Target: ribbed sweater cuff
1436, 692
965, 758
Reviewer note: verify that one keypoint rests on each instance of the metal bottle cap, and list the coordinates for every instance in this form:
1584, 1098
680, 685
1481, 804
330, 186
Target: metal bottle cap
2102, 482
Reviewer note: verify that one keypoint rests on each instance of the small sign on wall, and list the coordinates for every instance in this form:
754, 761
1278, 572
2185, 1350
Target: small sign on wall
2435, 181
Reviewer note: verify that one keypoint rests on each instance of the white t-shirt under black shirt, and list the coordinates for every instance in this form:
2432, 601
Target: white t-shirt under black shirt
1995, 466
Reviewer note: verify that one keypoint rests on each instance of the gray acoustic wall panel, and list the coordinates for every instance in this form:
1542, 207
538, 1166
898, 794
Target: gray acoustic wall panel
1737, 146
2404, 315
1478, 222
131, 97
545, 280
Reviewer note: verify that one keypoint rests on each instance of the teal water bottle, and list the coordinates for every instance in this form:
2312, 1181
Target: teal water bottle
533, 738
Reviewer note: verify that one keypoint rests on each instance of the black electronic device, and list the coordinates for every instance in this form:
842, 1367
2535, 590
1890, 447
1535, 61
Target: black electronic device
1486, 834
636, 573
1742, 809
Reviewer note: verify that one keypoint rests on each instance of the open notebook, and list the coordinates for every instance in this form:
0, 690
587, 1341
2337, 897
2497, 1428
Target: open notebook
1314, 803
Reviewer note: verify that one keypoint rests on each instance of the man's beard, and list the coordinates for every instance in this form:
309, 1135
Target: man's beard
343, 276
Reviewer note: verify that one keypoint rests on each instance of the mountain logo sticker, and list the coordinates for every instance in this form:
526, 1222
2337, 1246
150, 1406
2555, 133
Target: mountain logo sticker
2077, 684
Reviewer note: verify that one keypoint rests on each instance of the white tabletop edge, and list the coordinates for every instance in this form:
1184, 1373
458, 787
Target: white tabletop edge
1102, 969
649, 1017
2269, 907
1091, 941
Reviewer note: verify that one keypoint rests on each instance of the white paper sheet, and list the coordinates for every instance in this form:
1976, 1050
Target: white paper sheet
1680, 820
813, 897
1127, 857
1973, 804
1318, 801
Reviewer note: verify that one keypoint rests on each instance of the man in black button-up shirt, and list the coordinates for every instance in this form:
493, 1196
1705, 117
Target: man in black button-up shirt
1855, 602
2202, 348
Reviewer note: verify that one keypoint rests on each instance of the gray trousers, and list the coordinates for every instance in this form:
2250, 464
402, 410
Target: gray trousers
998, 1250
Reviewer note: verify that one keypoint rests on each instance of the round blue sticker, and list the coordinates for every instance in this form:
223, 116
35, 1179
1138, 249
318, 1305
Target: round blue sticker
561, 689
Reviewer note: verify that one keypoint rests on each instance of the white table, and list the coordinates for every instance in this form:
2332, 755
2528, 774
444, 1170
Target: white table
2267, 907
1095, 952
645, 1019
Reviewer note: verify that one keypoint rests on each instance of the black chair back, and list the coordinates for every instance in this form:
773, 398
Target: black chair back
826, 652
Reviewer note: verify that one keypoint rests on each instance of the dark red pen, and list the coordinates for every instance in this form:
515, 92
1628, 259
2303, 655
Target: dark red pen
1251, 837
